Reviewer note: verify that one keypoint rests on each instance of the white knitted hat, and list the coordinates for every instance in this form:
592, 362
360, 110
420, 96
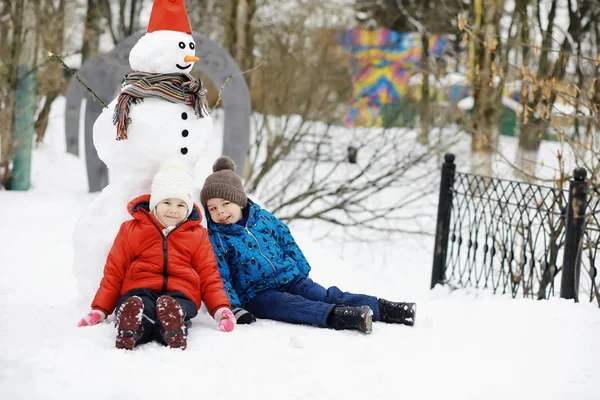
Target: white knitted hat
172, 181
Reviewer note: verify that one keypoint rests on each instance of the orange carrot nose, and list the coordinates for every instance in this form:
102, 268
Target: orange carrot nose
191, 59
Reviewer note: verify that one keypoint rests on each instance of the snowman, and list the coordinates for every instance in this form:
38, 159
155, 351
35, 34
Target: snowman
160, 114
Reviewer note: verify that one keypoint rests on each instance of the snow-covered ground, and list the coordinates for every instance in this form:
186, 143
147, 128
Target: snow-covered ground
466, 344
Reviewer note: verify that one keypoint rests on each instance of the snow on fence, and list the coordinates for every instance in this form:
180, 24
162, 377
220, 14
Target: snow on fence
515, 237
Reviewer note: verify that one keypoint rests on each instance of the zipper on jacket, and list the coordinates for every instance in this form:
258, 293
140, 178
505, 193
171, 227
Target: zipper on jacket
165, 256
165, 268
265, 257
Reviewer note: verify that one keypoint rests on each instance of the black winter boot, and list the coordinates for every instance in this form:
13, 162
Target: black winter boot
397, 313
355, 318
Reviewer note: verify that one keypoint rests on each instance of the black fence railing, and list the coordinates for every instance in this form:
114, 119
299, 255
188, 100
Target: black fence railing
590, 257
514, 237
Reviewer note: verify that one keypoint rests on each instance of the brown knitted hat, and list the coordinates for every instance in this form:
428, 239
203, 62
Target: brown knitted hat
224, 183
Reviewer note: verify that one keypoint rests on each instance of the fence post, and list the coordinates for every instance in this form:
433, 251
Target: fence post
443, 220
575, 223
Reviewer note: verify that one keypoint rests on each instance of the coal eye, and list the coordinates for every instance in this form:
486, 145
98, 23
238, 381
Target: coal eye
181, 45
192, 46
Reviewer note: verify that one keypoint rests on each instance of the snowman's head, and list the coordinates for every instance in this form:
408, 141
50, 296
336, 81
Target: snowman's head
164, 52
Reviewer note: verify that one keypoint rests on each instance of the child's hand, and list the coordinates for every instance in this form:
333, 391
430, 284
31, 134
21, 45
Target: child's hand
94, 317
225, 319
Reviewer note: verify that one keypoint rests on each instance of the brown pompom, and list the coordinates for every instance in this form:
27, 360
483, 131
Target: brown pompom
222, 163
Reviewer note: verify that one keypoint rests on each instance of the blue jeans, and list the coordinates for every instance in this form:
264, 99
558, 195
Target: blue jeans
303, 301
151, 328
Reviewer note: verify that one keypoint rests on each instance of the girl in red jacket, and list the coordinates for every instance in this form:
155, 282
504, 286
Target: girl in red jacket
160, 268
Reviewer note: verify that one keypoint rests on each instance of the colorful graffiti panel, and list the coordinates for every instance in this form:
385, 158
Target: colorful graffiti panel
382, 62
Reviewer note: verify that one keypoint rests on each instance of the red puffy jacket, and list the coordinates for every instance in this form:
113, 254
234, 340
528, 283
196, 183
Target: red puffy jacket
143, 258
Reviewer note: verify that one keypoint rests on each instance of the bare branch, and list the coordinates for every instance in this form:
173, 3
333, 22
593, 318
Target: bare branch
227, 80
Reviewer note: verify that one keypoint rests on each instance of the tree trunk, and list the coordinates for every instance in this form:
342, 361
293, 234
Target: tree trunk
229, 16
41, 124
238, 32
53, 72
594, 124
12, 54
485, 113
581, 139
91, 32
425, 112
533, 128
134, 9
241, 32
25, 100
122, 29
530, 139
596, 82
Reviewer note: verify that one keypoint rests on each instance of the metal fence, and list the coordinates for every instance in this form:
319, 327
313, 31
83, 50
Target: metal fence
519, 238
590, 257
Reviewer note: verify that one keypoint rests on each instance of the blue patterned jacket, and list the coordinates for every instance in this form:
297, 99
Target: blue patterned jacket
263, 254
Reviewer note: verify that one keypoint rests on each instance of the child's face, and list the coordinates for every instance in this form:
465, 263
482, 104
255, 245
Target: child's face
171, 212
223, 211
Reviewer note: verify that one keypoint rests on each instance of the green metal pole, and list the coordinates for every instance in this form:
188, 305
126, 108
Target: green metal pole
24, 127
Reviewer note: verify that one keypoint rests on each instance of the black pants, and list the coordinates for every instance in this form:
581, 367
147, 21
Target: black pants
151, 327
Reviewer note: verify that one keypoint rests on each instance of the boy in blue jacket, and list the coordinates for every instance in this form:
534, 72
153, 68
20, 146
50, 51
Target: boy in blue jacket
264, 271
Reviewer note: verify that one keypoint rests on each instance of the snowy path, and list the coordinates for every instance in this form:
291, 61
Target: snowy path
464, 346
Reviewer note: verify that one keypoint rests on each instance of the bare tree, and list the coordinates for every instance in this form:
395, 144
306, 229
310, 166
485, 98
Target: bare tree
307, 176
485, 112
11, 27
542, 87
92, 29
424, 113
418, 22
208, 17
51, 78
19, 48
122, 17
239, 34
298, 164
399, 15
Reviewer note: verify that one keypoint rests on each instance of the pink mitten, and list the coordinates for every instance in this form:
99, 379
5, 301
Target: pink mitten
225, 319
94, 317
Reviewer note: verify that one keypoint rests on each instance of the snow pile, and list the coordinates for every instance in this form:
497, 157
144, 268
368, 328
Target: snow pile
466, 343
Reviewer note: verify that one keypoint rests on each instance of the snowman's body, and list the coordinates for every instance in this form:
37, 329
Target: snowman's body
158, 130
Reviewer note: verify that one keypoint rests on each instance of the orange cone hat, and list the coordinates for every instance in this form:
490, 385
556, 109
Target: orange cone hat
169, 15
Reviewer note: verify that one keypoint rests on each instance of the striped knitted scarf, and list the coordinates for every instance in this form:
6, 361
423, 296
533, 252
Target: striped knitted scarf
174, 88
